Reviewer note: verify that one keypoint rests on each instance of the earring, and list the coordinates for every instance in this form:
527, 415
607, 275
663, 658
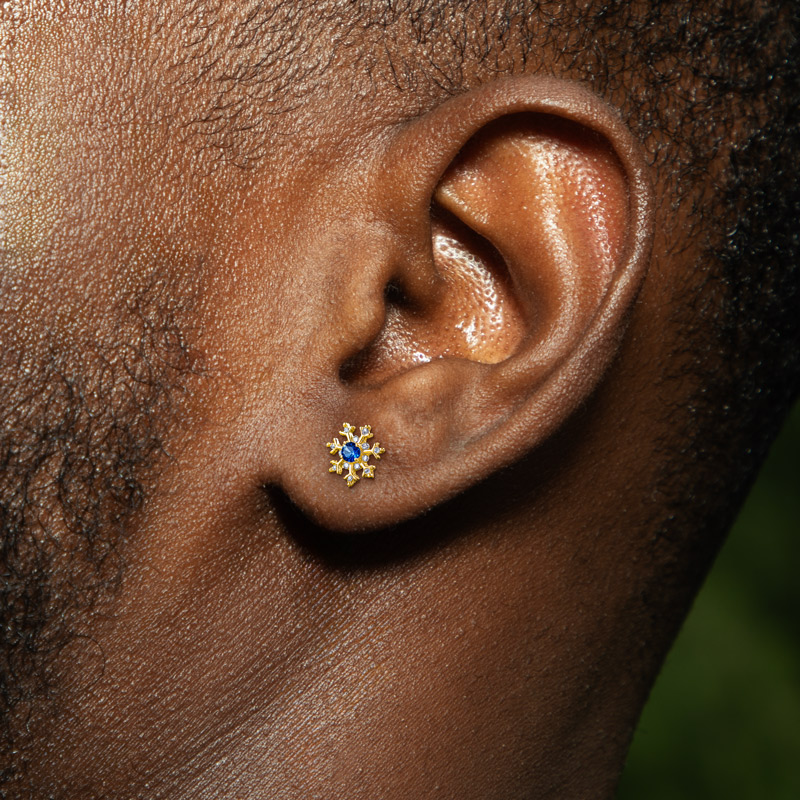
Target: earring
354, 453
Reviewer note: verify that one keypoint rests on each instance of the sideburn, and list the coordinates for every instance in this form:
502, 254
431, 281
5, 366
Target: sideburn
85, 426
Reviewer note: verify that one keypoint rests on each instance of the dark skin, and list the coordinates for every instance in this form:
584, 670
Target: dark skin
485, 279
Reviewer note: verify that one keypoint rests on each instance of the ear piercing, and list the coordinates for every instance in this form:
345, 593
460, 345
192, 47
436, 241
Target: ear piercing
354, 453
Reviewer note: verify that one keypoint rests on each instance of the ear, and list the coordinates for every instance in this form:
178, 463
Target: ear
519, 217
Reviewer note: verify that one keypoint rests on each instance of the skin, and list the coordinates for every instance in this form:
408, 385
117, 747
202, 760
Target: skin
485, 618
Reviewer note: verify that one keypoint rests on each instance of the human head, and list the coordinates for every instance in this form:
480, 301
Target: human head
217, 247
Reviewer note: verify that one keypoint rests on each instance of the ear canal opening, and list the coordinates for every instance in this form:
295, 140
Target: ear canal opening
474, 315
394, 295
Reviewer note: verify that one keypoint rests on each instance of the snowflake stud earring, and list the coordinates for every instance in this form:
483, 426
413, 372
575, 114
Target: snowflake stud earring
354, 454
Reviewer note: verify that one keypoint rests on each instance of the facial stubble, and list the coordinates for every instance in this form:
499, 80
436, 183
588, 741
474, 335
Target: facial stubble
87, 424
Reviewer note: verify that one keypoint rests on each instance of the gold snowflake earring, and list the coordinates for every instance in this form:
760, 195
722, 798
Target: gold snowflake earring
354, 453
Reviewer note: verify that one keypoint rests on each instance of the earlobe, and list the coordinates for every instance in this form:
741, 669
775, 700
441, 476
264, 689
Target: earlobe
525, 213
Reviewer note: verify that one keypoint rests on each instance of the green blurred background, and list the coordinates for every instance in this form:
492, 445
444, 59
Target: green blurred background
723, 720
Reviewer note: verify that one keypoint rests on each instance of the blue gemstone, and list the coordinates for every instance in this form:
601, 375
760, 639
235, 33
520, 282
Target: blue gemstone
350, 451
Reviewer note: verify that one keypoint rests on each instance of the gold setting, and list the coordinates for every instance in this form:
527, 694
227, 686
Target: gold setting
357, 454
